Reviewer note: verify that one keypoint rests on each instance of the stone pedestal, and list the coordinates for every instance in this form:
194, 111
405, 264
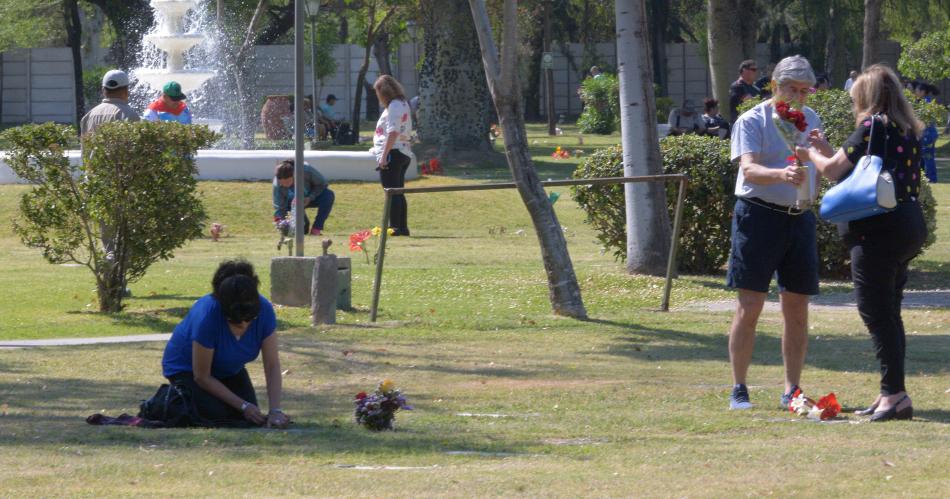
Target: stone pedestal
324, 291
344, 281
290, 280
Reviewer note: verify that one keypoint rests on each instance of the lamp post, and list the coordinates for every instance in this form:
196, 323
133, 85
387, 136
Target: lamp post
298, 128
313, 7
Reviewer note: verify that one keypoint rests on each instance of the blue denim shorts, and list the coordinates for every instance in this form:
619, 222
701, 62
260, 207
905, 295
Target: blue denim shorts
767, 242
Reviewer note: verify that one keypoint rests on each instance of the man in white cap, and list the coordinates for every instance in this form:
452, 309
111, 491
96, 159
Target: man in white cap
115, 105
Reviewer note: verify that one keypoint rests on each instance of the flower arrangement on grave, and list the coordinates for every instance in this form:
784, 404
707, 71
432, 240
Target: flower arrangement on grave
217, 231
359, 241
285, 226
560, 153
826, 407
376, 411
791, 126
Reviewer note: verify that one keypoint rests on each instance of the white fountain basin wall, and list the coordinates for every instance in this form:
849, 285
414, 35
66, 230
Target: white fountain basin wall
223, 164
188, 79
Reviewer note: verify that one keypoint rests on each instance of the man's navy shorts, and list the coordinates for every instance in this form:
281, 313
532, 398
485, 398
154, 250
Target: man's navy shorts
766, 241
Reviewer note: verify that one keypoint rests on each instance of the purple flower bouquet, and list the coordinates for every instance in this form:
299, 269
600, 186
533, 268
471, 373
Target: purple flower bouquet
377, 411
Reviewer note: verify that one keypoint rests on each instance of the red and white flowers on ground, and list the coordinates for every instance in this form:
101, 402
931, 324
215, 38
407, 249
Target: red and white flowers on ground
826, 407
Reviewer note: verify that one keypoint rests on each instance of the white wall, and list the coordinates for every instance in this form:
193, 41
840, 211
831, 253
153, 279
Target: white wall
38, 86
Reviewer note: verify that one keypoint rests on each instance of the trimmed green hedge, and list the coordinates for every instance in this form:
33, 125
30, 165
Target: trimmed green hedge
707, 210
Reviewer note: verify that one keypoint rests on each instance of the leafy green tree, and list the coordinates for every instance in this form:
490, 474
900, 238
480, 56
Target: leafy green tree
928, 58
132, 202
601, 97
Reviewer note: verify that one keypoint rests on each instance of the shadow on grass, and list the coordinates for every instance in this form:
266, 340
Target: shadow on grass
925, 354
155, 320
53, 410
190, 299
928, 274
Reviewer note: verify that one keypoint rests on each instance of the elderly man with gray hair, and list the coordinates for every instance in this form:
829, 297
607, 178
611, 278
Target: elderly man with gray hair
770, 236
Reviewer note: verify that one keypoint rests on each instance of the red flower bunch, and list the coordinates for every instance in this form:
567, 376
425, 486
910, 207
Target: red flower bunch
791, 115
358, 240
432, 167
827, 407
560, 153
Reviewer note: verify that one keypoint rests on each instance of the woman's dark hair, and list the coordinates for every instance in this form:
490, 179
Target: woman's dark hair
709, 103
285, 169
235, 288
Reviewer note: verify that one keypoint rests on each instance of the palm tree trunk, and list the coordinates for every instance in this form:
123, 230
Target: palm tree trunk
648, 228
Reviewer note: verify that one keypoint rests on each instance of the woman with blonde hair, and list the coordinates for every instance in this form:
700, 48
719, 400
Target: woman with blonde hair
391, 146
883, 245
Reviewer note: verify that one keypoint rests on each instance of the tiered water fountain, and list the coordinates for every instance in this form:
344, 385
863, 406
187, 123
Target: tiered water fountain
171, 38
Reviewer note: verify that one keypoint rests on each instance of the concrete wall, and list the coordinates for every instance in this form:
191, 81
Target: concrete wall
38, 86
45, 92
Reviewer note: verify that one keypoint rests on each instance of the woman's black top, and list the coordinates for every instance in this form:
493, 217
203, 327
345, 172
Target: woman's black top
899, 149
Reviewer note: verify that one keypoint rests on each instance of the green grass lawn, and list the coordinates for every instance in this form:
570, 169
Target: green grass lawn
510, 400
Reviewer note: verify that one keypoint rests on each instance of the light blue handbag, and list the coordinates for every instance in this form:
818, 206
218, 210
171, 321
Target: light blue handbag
868, 191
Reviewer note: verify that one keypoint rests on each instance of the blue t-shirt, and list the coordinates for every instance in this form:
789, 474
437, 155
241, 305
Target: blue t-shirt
206, 324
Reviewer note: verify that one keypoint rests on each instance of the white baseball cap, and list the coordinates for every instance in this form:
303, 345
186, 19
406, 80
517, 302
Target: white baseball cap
114, 79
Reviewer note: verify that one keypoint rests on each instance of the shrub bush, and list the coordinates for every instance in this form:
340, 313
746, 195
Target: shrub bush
132, 202
707, 208
601, 97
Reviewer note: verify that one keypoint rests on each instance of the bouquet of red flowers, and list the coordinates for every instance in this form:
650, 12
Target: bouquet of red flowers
791, 126
791, 115
377, 411
826, 407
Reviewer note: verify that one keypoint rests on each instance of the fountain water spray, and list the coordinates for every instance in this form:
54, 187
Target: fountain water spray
171, 38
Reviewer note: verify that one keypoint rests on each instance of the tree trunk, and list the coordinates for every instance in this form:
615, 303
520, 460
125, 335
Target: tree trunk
833, 58
238, 64
648, 227
872, 32
74, 40
549, 74
358, 95
748, 25
532, 92
372, 101
661, 19
382, 52
725, 46
454, 103
502, 79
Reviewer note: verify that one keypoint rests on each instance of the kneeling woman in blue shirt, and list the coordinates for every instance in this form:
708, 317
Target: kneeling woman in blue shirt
222, 332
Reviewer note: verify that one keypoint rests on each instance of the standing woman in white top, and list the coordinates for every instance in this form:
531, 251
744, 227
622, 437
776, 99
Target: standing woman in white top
391, 146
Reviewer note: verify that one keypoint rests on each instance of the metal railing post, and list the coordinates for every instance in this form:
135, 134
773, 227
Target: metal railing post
674, 246
383, 236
